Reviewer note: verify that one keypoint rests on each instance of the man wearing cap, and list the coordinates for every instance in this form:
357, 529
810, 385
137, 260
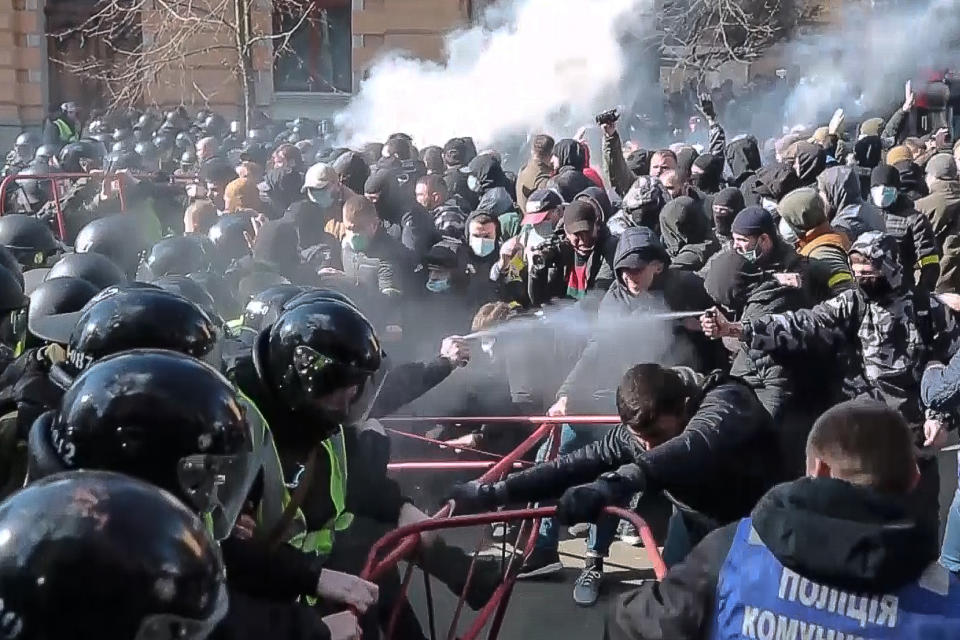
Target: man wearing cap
942, 208
322, 187
828, 272
755, 238
574, 261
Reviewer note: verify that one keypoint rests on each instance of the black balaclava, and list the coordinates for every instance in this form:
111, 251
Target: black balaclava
730, 280
384, 184
868, 151
812, 160
712, 168
682, 223
732, 199
353, 170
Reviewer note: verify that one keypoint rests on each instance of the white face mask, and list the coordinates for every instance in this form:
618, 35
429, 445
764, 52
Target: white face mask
883, 196
482, 246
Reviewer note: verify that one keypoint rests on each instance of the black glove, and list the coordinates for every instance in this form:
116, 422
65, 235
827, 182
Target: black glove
706, 106
476, 497
585, 503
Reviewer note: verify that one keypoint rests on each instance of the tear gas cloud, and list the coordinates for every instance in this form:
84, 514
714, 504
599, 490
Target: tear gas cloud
862, 62
528, 65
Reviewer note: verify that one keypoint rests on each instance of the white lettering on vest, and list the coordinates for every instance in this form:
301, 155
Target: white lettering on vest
749, 628
789, 580
888, 611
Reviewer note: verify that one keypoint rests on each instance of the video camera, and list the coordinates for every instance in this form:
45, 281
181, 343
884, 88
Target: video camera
608, 117
548, 251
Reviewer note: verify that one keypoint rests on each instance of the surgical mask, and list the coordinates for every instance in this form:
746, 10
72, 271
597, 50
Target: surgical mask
486, 345
355, 241
788, 233
752, 255
321, 197
883, 196
482, 246
438, 285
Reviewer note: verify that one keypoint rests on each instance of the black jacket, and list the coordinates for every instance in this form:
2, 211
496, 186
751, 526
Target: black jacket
686, 234
569, 179
918, 245
549, 281
827, 530
714, 471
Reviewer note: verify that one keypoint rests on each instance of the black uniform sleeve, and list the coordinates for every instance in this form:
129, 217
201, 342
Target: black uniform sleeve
278, 573
680, 607
551, 479
407, 382
254, 619
370, 492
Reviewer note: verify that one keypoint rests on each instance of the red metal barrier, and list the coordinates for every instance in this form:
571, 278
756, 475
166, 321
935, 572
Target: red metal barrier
496, 606
600, 419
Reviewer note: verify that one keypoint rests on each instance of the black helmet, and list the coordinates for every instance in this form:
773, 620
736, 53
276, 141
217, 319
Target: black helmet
27, 139
146, 149
95, 268
118, 237
160, 416
176, 255
9, 262
29, 238
126, 159
257, 152
71, 155
36, 191
318, 295
229, 241
192, 291
265, 307
315, 349
184, 141
138, 317
220, 290
55, 296
261, 136
93, 554
214, 125
188, 158
256, 282
305, 127
46, 151
13, 310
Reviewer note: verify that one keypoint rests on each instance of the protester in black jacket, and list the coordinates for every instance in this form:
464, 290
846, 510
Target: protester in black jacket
574, 262
706, 442
569, 161
686, 234
844, 533
403, 217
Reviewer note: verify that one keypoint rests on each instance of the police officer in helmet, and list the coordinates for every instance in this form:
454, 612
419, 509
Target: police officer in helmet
30, 240
839, 553
95, 554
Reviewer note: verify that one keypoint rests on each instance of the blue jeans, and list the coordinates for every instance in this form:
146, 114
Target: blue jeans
601, 534
950, 552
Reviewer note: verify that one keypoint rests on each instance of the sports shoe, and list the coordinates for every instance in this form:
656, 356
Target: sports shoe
485, 580
586, 591
540, 562
629, 534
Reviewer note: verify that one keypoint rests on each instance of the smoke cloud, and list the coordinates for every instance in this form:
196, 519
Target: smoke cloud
529, 65
862, 62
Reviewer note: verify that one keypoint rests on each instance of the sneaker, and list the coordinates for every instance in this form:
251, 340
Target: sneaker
484, 581
579, 530
586, 591
628, 533
541, 562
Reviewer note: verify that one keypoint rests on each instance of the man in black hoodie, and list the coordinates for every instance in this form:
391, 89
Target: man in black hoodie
569, 161
403, 217
834, 555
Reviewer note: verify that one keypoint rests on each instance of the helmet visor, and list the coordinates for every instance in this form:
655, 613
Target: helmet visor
218, 485
166, 626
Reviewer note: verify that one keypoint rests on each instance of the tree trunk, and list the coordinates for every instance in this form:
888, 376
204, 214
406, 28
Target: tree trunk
245, 73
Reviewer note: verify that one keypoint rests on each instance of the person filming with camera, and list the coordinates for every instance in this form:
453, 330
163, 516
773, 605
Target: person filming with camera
576, 260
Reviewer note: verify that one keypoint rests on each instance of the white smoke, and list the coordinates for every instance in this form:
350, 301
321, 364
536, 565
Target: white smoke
863, 62
528, 65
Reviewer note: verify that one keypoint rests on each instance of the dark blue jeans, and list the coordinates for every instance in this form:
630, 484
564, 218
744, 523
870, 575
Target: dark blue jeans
601, 534
950, 552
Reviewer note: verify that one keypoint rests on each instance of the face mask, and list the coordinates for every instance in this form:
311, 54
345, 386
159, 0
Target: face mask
752, 255
883, 196
482, 246
438, 285
486, 345
355, 241
874, 288
473, 183
321, 197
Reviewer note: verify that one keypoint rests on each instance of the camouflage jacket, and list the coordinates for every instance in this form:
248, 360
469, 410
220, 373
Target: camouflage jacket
893, 339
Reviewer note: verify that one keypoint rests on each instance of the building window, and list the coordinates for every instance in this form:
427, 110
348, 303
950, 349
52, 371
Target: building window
317, 58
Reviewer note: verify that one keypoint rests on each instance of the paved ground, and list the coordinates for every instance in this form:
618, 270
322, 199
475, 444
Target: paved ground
544, 610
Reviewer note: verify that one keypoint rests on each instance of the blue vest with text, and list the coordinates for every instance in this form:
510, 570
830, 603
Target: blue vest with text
757, 597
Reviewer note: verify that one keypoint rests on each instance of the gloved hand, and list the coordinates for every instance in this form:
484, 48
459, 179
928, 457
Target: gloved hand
475, 497
584, 503
342, 626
